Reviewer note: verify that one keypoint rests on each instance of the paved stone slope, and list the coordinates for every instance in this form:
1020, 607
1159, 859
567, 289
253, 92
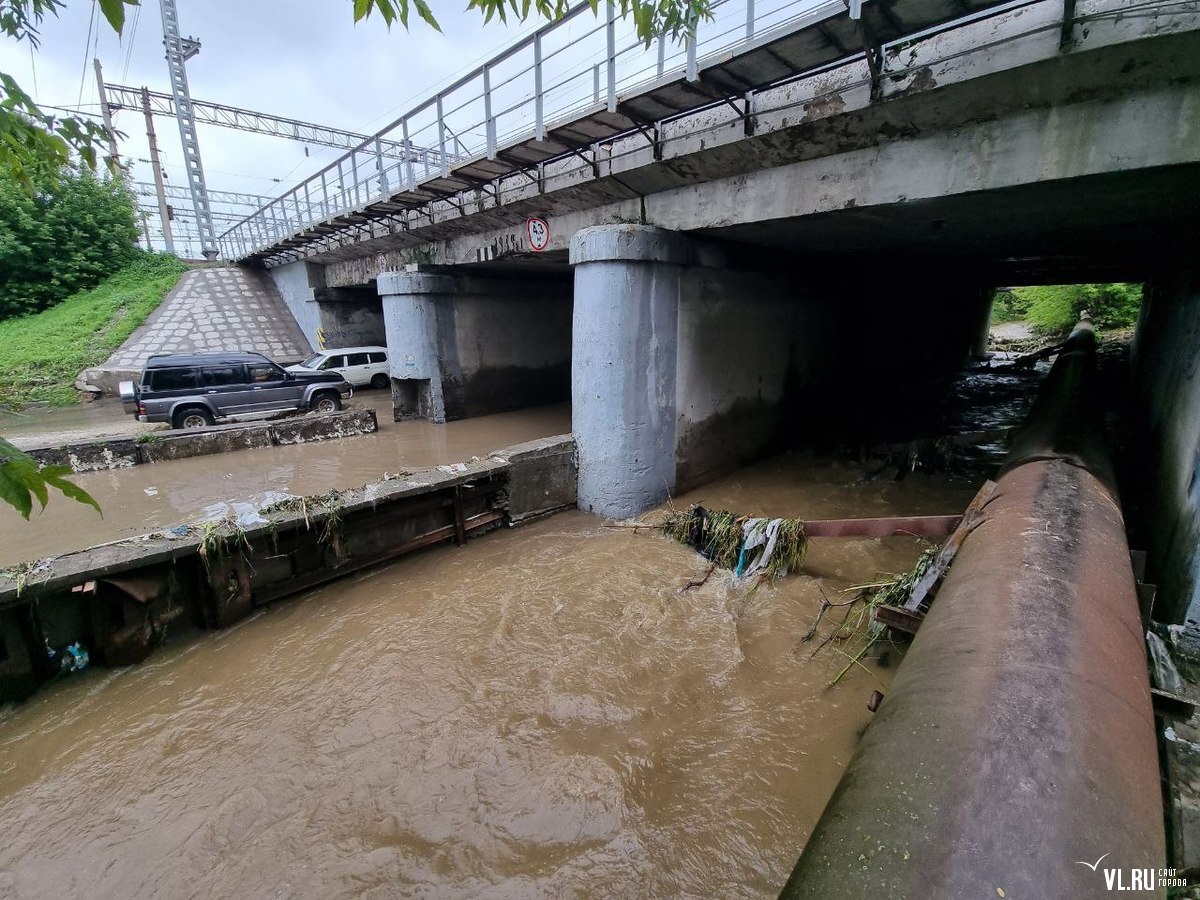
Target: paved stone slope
226, 308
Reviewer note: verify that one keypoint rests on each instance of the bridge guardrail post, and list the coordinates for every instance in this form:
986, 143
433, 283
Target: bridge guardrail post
409, 178
539, 125
611, 35
441, 119
380, 169
489, 122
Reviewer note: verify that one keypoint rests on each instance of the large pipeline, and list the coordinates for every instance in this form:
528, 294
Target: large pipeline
1017, 745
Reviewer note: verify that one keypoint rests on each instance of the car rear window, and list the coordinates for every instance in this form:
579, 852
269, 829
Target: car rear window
172, 379
378, 357
357, 359
213, 376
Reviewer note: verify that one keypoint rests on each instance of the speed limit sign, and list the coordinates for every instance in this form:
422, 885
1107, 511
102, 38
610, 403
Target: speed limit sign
539, 234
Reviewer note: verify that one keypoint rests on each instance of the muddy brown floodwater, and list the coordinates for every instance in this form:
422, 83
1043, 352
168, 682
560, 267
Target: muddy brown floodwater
150, 497
541, 713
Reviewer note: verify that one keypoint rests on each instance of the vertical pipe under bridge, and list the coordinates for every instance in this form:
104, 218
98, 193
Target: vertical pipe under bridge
1017, 744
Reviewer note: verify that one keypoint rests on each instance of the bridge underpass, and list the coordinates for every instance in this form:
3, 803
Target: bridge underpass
1009, 149
734, 289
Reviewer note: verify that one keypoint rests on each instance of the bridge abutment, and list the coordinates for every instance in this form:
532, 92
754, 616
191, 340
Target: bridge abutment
464, 345
329, 317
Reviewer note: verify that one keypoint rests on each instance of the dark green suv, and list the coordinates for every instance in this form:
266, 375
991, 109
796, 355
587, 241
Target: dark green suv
191, 390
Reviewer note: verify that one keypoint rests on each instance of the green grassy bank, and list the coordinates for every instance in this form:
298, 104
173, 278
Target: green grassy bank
42, 354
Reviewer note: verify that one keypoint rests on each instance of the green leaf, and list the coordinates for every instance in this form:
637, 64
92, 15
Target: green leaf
75, 492
13, 490
114, 12
426, 15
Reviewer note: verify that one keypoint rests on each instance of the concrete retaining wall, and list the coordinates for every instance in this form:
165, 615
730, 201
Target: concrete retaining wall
350, 318
509, 347
543, 477
1167, 391
121, 453
292, 282
121, 600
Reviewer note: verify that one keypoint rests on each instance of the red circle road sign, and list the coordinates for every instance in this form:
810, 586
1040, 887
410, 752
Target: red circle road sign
538, 232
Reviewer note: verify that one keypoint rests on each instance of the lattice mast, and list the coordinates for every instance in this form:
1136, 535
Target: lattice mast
179, 51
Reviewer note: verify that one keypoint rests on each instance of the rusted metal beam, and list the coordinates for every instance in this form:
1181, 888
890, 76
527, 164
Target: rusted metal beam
919, 526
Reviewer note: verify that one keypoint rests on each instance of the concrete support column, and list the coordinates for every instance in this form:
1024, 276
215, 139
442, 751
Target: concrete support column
983, 326
412, 303
623, 364
1166, 477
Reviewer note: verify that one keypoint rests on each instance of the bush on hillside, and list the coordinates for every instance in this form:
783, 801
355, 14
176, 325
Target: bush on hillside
65, 237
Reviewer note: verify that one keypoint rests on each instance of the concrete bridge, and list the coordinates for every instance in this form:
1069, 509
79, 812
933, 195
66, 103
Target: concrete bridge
707, 246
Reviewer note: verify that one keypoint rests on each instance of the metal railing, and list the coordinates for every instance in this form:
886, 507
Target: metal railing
564, 71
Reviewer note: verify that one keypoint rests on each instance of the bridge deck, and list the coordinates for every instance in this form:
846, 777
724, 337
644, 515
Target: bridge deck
370, 188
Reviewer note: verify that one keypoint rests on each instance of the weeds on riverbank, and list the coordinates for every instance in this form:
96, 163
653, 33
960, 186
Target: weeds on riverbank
219, 538
42, 354
326, 507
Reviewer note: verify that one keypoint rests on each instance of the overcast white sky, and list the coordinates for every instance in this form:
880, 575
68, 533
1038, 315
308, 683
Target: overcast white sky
305, 59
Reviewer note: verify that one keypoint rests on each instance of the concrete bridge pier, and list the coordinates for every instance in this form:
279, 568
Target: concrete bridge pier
472, 343
1166, 390
623, 365
412, 305
680, 364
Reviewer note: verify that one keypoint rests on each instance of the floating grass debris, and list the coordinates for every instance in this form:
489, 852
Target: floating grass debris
767, 548
859, 630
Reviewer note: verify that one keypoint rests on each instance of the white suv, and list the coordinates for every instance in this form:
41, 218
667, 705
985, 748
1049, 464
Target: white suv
358, 365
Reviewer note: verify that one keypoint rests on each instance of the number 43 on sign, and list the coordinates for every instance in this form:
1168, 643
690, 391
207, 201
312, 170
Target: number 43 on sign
539, 234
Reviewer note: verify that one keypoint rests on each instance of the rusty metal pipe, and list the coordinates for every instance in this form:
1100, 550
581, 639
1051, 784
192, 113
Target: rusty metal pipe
1017, 740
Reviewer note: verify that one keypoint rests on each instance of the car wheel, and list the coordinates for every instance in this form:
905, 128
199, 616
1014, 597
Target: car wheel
326, 402
193, 417
379, 382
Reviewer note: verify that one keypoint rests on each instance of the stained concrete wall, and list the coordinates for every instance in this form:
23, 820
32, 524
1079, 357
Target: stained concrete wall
736, 332
296, 289
1166, 368
687, 364
507, 345
351, 317
468, 345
